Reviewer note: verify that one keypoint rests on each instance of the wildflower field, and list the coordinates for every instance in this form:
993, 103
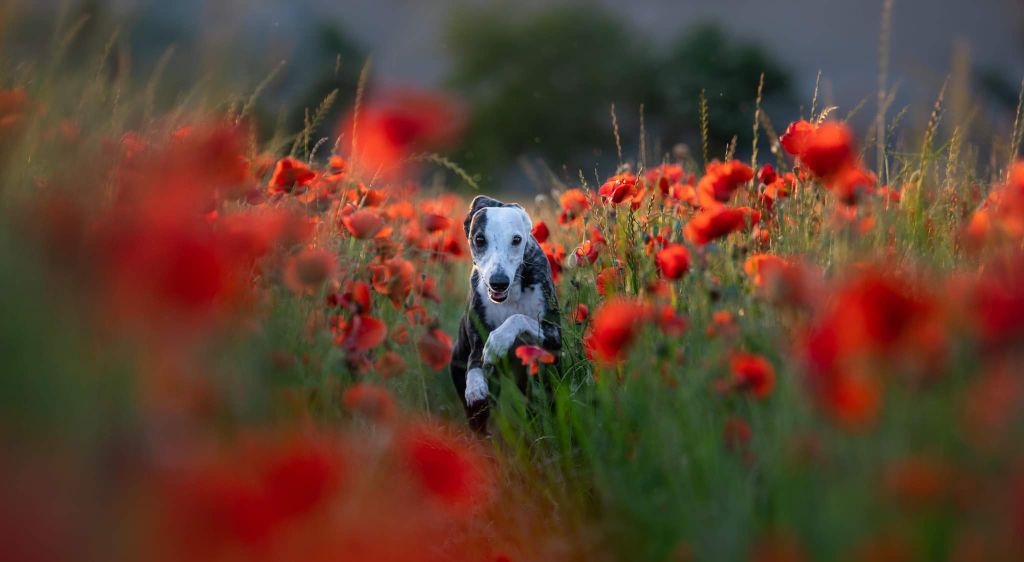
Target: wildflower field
225, 344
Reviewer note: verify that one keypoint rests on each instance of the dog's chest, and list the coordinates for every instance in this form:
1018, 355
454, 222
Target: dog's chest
530, 303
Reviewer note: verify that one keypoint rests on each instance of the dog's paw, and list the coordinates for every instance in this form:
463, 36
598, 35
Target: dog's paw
497, 345
520, 324
501, 340
476, 386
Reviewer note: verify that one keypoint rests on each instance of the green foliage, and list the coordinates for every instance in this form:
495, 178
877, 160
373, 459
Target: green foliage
542, 84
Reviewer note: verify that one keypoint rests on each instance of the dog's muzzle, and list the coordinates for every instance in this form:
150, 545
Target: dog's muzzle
497, 288
497, 296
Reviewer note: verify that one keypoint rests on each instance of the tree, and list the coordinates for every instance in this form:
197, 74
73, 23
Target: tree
543, 83
728, 71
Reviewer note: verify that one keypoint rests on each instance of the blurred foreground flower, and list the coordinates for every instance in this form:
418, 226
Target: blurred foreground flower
394, 124
614, 328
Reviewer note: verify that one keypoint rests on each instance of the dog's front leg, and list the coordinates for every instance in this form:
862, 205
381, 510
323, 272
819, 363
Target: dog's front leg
502, 338
476, 386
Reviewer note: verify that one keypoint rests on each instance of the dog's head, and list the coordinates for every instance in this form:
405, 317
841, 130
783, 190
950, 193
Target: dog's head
498, 234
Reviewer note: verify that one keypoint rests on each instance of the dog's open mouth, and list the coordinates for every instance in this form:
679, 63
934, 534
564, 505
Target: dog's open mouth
497, 296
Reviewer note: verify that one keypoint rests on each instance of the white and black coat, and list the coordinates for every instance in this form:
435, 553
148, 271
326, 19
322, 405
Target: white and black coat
512, 301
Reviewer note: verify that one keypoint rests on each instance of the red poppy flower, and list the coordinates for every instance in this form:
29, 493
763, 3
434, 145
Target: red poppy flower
369, 400
590, 348
723, 318
357, 296
371, 197
851, 184
416, 313
394, 124
889, 195
685, 194
670, 322
767, 174
337, 164
665, 177
721, 181
752, 373
390, 364
247, 495
450, 243
1001, 215
722, 323
290, 173
712, 224
435, 349
794, 140
580, 314
256, 233
395, 278
540, 232
574, 204
186, 273
780, 187
997, 305
427, 288
619, 188
609, 280
879, 311
362, 333
435, 223
673, 261
828, 150
532, 356
615, 326
400, 210
400, 334
588, 252
307, 271
555, 253
737, 434
761, 267
638, 198
363, 224
300, 475
877, 318
852, 400
448, 470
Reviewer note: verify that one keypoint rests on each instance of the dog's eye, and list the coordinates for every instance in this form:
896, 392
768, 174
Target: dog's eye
480, 241
516, 240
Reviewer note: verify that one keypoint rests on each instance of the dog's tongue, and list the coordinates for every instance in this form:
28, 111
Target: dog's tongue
498, 296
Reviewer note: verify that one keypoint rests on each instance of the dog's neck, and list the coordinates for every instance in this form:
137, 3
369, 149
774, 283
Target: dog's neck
525, 297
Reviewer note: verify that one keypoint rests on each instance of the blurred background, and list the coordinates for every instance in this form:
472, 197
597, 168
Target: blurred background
537, 79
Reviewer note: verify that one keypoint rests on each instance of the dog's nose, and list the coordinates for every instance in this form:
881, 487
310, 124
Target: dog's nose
499, 282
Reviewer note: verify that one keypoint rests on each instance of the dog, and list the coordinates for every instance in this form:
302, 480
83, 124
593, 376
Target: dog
512, 301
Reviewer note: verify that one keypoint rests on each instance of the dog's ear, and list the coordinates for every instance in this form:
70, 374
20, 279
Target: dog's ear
479, 202
525, 216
